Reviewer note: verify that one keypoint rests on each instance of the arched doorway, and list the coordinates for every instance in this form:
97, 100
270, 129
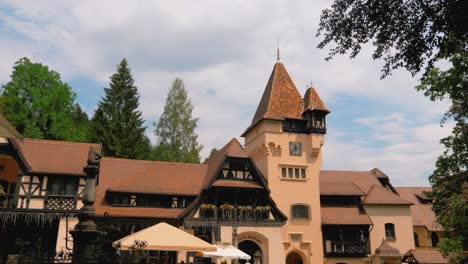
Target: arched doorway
253, 250
294, 258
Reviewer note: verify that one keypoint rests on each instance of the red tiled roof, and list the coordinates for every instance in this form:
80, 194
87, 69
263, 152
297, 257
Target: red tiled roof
237, 184
312, 101
340, 188
281, 98
364, 180
54, 157
164, 178
427, 256
421, 213
379, 195
344, 216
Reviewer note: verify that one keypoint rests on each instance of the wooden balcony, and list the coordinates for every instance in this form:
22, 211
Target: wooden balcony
346, 248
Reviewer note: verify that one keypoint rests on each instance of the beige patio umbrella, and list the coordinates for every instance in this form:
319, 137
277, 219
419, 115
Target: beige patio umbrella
7, 130
163, 237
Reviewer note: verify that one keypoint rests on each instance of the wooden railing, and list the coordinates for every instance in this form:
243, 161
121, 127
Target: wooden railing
346, 248
236, 213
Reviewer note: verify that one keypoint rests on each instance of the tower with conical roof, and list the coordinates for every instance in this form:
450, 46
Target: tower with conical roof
285, 140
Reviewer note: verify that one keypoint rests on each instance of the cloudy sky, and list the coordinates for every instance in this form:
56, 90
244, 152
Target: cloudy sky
225, 51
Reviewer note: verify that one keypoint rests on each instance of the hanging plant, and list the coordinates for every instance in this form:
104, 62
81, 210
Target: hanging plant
263, 209
207, 207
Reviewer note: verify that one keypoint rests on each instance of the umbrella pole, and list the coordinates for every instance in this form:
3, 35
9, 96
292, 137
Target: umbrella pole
235, 241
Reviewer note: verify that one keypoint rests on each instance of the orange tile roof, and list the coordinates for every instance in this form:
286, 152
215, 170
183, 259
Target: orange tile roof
236, 184
364, 180
342, 215
280, 98
164, 178
421, 213
340, 188
312, 101
379, 195
54, 157
427, 256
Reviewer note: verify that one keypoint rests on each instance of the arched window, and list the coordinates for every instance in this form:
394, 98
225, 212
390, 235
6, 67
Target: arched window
390, 231
300, 211
435, 239
416, 239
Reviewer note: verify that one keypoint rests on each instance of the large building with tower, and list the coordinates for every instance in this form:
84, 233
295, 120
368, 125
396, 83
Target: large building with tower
268, 195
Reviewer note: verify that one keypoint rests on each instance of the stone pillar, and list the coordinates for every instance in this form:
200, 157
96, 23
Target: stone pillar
85, 233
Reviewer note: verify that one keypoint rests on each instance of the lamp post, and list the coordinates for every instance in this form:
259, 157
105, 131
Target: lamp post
85, 233
235, 240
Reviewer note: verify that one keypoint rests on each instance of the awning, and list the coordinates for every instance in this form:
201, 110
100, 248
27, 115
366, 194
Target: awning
163, 237
229, 252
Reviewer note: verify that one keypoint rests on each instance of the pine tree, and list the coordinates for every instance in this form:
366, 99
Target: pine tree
177, 140
117, 123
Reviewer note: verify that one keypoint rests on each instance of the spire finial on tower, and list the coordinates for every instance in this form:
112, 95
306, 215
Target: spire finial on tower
277, 48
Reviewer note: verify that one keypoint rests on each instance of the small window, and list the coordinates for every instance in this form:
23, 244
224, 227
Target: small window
300, 211
390, 231
283, 172
290, 172
303, 173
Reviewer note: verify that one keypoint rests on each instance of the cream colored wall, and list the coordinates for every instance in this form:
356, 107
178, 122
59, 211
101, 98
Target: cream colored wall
267, 238
63, 232
425, 239
348, 260
286, 192
400, 216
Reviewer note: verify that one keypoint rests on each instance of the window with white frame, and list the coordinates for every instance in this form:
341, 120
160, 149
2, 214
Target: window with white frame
293, 173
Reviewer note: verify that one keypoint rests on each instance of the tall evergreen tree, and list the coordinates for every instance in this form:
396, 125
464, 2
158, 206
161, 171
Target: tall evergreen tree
40, 105
177, 140
117, 123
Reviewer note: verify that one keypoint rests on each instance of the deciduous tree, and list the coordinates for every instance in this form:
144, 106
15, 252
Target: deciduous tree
177, 140
40, 105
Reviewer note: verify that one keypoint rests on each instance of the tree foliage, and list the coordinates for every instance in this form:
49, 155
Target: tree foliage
41, 106
415, 34
117, 122
177, 140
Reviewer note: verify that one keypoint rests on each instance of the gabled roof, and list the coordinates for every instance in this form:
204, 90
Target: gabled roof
53, 157
7, 130
164, 178
232, 149
312, 101
342, 215
379, 195
281, 98
421, 213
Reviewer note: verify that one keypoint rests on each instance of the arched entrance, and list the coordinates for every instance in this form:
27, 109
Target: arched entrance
253, 250
294, 258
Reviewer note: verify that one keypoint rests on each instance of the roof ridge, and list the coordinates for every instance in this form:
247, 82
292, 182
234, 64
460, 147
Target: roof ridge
345, 171
62, 142
273, 74
152, 162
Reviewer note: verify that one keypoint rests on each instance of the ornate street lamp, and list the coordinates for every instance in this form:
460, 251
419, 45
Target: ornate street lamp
85, 233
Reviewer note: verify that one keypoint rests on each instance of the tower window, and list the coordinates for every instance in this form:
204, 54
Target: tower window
434, 239
293, 173
300, 211
416, 239
390, 231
